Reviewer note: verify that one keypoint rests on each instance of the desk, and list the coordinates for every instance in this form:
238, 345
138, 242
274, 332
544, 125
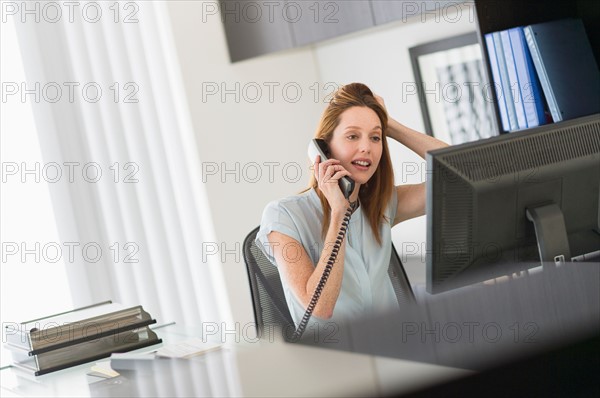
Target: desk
263, 368
562, 303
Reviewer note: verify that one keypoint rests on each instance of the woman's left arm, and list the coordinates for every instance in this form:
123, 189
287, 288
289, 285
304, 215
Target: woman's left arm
411, 198
417, 142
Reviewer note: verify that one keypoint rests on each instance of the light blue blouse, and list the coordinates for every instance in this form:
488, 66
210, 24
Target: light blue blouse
366, 285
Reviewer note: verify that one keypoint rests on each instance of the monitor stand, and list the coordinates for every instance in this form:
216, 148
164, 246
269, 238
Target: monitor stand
550, 232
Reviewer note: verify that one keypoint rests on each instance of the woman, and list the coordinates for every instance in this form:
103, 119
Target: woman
298, 233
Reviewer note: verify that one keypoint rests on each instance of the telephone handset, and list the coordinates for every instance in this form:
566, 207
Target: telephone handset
319, 147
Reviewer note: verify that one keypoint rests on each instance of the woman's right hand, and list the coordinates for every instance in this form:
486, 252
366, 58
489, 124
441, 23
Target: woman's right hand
328, 174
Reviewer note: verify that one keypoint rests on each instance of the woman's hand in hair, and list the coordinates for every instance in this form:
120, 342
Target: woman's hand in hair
380, 101
328, 174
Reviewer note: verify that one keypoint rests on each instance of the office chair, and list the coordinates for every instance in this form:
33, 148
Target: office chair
268, 299
402, 287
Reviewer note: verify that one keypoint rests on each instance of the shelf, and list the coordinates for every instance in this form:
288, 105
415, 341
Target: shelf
495, 15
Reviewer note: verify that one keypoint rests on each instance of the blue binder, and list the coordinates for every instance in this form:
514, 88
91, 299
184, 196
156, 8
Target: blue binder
504, 80
489, 41
513, 80
566, 67
531, 92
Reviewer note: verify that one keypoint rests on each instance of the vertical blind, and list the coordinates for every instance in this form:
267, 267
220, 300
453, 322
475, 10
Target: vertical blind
122, 126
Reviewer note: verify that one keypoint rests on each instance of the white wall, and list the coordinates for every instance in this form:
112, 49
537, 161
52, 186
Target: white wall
248, 131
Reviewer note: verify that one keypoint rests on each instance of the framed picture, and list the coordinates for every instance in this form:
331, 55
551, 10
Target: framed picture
456, 102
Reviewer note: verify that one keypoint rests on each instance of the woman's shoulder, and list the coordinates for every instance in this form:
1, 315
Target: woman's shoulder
292, 215
303, 201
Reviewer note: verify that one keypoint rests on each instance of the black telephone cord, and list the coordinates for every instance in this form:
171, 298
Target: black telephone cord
321, 285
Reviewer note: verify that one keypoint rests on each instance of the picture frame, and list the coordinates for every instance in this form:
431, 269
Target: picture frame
456, 101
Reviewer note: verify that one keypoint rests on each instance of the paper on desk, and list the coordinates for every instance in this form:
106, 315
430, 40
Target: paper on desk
104, 369
187, 349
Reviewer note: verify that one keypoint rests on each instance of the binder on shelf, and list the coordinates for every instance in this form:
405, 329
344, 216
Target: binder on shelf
529, 87
489, 40
566, 67
513, 80
505, 82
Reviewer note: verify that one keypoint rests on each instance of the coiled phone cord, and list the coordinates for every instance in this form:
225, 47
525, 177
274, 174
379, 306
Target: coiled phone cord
321, 285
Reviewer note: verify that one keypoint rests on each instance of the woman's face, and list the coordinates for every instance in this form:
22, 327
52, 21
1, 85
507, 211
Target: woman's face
357, 142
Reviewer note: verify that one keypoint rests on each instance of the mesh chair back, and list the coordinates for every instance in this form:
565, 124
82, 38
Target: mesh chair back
402, 287
270, 307
268, 299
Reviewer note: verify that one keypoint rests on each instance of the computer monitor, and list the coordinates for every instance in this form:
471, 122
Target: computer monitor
505, 204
